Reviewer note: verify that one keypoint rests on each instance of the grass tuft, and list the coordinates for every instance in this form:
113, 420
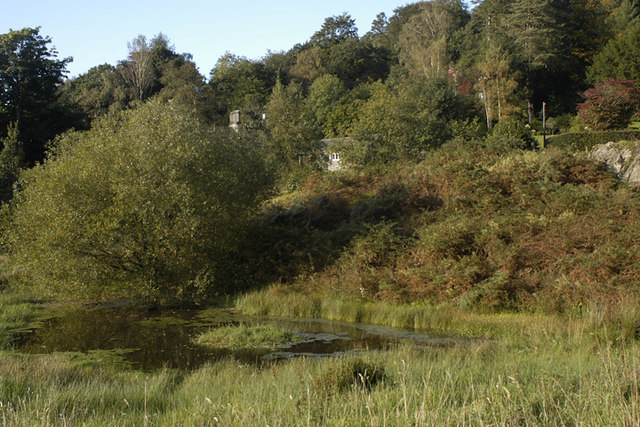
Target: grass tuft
244, 337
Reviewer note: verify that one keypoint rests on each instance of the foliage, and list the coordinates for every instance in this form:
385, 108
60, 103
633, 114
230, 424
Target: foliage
514, 133
293, 141
100, 90
426, 39
238, 83
482, 224
30, 74
137, 69
11, 163
148, 203
585, 141
610, 105
410, 119
335, 30
496, 87
618, 59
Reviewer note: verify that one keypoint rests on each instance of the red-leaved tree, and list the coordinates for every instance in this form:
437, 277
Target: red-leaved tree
610, 105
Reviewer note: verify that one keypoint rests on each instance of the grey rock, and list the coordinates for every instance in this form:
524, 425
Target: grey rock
621, 158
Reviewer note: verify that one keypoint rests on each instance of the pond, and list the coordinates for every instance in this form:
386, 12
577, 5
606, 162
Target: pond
155, 338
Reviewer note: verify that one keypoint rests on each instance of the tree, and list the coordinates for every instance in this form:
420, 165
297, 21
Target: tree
147, 204
623, 14
11, 162
619, 59
496, 87
356, 61
412, 118
610, 105
310, 64
98, 91
536, 30
425, 42
335, 30
182, 83
30, 75
378, 31
238, 83
325, 100
293, 139
137, 69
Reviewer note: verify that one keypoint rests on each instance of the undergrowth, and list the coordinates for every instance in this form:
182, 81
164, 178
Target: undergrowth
484, 226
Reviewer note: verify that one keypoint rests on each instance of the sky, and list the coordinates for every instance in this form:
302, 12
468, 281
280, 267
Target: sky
97, 32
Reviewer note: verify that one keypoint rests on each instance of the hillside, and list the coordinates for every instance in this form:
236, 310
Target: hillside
484, 226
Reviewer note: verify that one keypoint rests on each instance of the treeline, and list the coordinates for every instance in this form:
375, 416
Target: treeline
432, 60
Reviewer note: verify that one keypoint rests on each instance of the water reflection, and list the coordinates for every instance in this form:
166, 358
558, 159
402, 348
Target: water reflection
164, 338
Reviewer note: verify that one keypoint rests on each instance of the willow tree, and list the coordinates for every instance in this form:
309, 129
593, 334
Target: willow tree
146, 204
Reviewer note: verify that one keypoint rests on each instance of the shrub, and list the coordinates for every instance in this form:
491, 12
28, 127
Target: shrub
145, 204
610, 105
513, 133
580, 141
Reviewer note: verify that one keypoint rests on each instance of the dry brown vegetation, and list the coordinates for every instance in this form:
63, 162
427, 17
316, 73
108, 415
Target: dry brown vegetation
484, 226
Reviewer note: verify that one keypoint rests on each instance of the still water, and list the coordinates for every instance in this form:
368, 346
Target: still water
151, 339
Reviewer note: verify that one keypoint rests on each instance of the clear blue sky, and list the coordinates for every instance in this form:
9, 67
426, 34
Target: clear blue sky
97, 32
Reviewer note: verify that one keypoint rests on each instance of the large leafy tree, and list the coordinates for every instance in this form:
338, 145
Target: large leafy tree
411, 118
238, 83
535, 30
98, 91
335, 30
293, 139
496, 86
137, 69
146, 204
30, 74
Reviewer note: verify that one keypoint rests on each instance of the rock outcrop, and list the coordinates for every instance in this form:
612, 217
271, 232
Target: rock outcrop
622, 158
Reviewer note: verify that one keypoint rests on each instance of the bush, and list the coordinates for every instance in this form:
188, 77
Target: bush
148, 203
513, 133
610, 105
585, 141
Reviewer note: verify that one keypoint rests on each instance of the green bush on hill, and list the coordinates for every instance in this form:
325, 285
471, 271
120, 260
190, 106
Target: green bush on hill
146, 204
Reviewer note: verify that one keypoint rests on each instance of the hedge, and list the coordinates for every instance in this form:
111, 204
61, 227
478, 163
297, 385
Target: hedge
580, 141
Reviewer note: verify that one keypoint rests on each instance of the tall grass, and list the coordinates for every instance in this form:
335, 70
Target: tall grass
478, 384
15, 315
536, 370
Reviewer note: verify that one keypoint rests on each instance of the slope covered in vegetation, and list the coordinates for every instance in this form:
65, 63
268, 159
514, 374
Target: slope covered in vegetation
479, 224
